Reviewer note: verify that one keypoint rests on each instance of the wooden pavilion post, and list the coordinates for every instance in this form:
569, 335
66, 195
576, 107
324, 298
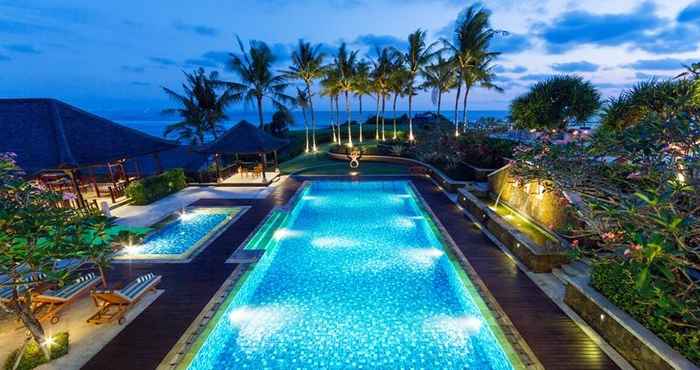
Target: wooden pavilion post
277, 164
94, 182
126, 175
159, 166
218, 167
264, 167
111, 174
76, 187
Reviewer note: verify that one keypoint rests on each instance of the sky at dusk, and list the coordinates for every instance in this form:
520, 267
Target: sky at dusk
103, 55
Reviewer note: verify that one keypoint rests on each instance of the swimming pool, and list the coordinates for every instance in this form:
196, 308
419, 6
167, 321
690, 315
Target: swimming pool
355, 275
181, 235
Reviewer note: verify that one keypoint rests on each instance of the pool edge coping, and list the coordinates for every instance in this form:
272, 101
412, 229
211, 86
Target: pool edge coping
494, 309
203, 243
184, 350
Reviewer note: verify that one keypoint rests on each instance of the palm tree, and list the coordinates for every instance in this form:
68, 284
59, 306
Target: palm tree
472, 36
346, 65
303, 101
399, 84
380, 75
202, 107
439, 77
419, 54
481, 74
362, 86
307, 66
256, 79
330, 88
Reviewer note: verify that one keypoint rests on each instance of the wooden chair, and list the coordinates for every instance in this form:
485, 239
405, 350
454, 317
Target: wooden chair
52, 302
114, 304
258, 170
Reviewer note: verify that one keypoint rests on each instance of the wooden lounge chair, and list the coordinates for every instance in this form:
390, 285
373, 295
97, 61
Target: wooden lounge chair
6, 293
51, 302
114, 304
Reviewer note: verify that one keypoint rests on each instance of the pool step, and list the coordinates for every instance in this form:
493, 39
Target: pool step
246, 256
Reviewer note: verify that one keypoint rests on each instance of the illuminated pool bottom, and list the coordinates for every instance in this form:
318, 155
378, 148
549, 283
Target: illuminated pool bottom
354, 277
183, 234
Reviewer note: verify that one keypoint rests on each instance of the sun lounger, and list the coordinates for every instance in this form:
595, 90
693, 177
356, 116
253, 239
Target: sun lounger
6, 293
114, 304
50, 303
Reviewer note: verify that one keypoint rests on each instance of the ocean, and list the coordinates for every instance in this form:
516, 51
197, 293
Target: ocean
155, 124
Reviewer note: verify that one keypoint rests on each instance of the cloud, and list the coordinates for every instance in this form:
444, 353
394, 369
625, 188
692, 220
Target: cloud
196, 28
511, 43
578, 27
221, 57
200, 62
611, 85
690, 13
372, 41
133, 69
22, 48
665, 64
162, 61
515, 69
535, 77
646, 76
581, 66
16, 27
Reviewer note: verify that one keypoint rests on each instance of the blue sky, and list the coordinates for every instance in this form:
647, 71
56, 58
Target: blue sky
104, 55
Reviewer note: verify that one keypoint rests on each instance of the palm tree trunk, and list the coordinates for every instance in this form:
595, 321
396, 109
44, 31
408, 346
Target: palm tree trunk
22, 308
347, 108
376, 122
306, 128
360, 97
459, 91
395, 97
464, 107
337, 118
410, 115
383, 114
260, 115
313, 118
439, 103
335, 140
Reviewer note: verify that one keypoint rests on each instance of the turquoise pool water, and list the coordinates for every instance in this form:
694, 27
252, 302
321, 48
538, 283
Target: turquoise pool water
355, 277
179, 237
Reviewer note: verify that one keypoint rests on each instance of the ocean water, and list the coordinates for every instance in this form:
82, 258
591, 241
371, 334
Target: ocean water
155, 124
355, 277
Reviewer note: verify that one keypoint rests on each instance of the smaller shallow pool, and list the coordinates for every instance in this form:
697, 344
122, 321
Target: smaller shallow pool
180, 236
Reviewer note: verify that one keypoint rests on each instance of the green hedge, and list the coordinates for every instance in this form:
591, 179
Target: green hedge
655, 310
150, 189
33, 356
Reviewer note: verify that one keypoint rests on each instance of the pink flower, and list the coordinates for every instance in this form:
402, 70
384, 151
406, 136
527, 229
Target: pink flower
69, 196
635, 247
628, 252
634, 176
574, 243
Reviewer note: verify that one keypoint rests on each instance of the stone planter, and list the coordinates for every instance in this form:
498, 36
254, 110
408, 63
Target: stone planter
639, 346
536, 258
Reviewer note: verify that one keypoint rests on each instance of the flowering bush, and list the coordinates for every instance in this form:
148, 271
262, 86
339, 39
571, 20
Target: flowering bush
637, 203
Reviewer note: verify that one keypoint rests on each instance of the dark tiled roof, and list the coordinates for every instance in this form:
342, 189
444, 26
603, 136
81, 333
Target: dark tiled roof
244, 138
49, 134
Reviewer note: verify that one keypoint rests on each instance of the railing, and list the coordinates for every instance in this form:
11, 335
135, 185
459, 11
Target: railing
117, 191
86, 208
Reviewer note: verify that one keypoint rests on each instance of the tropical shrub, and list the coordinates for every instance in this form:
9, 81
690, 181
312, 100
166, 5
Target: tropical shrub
33, 355
661, 311
555, 103
34, 234
150, 189
637, 201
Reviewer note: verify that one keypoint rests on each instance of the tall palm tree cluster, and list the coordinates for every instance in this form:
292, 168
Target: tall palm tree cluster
462, 64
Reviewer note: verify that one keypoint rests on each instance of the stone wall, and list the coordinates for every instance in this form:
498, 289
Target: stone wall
544, 207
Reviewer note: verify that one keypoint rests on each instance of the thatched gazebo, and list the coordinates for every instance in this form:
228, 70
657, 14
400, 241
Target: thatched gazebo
54, 141
245, 139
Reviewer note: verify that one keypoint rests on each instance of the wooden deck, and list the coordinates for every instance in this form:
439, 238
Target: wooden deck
554, 338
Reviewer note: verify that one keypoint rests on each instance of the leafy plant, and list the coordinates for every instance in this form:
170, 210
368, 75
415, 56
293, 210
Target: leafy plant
555, 103
32, 355
150, 189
